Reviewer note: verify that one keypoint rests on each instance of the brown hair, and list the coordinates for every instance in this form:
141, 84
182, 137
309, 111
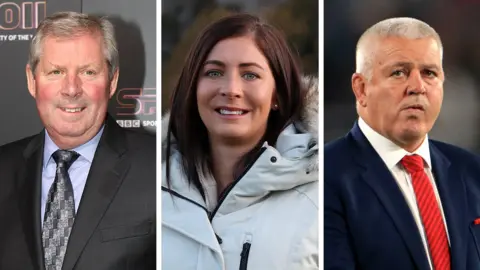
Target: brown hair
184, 117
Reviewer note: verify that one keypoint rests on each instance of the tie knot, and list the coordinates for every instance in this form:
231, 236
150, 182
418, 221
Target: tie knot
413, 163
65, 158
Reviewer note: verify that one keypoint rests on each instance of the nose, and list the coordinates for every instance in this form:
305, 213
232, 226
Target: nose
72, 86
232, 87
416, 84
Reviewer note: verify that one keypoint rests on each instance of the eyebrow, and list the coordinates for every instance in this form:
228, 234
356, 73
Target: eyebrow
81, 67
409, 65
220, 63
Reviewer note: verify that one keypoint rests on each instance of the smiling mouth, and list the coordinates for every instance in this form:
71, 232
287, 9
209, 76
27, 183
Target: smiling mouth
231, 111
72, 110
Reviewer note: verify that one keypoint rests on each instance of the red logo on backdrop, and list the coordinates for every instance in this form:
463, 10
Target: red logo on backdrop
20, 16
137, 101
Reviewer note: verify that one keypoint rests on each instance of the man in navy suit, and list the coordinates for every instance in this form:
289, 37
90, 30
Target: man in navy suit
394, 199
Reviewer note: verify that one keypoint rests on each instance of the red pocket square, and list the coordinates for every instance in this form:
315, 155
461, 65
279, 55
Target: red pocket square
476, 221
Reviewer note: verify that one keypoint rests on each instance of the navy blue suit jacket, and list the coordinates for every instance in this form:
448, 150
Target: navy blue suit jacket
368, 224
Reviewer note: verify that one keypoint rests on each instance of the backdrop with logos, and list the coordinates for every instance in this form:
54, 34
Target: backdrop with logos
133, 105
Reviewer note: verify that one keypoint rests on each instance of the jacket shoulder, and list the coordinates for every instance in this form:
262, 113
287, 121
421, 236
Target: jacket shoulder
140, 141
338, 156
339, 147
455, 153
15, 147
310, 191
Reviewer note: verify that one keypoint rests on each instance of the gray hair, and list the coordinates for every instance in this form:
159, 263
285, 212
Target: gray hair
403, 27
73, 24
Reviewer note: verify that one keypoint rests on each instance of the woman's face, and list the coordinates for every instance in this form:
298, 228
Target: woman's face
235, 92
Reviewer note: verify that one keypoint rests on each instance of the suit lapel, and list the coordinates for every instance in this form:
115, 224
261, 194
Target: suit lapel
379, 178
108, 169
452, 193
30, 186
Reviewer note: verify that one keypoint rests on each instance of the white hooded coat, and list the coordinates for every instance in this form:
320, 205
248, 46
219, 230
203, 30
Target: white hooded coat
267, 221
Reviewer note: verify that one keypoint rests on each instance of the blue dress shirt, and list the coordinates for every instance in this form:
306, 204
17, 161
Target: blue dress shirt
78, 171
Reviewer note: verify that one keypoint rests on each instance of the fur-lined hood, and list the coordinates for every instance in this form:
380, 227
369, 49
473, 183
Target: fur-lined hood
308, 124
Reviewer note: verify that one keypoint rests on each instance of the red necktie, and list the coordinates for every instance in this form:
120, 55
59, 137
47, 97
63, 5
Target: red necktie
430, 212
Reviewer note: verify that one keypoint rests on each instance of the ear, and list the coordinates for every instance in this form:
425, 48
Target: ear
359, 89
113, 83
274, 101
30, 81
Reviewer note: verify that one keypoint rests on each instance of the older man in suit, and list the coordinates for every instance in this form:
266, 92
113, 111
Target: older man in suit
395, 199
81, 193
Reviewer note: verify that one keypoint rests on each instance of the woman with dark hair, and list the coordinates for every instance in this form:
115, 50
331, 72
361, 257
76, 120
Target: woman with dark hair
240, 155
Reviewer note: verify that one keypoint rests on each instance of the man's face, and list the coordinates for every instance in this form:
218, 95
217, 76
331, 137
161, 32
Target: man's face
404, 95
71, 88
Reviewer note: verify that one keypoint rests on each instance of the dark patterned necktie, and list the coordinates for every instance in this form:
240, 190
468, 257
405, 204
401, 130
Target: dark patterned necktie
59, 212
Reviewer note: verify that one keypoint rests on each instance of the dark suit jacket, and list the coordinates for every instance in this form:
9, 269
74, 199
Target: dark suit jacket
115, 222
368, 224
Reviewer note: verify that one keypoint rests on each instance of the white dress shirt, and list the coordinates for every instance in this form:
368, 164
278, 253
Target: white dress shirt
391, 155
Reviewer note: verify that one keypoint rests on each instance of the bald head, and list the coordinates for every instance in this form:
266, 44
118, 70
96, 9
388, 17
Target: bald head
407, 28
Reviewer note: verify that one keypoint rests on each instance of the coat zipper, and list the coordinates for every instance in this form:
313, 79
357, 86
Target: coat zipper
245, 252
220, 201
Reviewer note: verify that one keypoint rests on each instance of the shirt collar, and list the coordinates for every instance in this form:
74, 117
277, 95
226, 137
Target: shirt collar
391, 153
86, 150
